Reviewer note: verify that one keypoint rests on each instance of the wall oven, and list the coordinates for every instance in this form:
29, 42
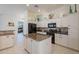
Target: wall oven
52, 30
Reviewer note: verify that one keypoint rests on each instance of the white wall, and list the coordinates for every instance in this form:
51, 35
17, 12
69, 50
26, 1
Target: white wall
4, 19
13, 13
22, 17
58, 14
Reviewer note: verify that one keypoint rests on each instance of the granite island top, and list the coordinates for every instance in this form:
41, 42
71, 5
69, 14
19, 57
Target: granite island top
38, 37
4, 33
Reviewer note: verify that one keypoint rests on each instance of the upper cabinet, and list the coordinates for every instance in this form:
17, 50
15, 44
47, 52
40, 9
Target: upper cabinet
59, 22
44, 22
68, 21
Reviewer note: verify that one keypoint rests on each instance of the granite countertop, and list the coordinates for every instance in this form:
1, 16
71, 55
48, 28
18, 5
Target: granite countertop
38, 37
3, 33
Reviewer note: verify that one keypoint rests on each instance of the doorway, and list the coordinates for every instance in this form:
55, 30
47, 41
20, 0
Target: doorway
20, 34
20, 27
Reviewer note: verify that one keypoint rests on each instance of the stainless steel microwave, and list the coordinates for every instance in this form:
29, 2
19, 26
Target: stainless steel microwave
51, 25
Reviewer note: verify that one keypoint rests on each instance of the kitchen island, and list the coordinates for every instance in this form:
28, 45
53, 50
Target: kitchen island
38, 43
7, 39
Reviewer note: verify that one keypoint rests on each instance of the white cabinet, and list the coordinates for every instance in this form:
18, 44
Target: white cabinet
41, 47
59, 22
61, 39
36, 47
74, 32
68, 21
58, 38
12, 40
39, 24
65, 40
28, 44
6, 41
73, 42
53, 20
65, 22
42, 33
3, 42
44, 23
72, 39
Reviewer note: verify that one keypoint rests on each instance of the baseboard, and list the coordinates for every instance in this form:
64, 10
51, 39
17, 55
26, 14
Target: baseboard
68, 47
27, 51
6, 48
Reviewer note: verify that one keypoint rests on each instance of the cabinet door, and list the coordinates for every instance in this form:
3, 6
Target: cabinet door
61, 39
35, 47
12, 39
1, 42
65, 22
64, 40
4, 42
59, 22
74, 39
74, 32
28, 44
58, 38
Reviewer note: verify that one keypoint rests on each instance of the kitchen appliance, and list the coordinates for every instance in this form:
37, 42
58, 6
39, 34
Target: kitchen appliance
31, 28
51, 25
62, 30
51, 31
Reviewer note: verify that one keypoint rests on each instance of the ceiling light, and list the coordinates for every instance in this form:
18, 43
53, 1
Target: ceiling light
39, 10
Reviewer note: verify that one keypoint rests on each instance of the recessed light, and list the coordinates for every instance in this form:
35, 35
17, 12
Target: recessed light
38, 10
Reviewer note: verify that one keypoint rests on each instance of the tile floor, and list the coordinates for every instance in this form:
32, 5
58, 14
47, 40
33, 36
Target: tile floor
19, 48
56, 49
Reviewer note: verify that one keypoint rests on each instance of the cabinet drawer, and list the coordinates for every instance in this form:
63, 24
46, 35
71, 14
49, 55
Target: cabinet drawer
6, 41
58, 38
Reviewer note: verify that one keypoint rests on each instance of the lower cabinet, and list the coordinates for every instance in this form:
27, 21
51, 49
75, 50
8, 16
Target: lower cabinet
74, 40
41, 47
65, 40
6, 41
58, 38
38, 47
28, 44
70, 41
61, 39
35, 47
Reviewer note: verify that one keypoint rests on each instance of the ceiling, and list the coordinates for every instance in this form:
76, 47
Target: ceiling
12, 8
20, 8
43, 7
17, 8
